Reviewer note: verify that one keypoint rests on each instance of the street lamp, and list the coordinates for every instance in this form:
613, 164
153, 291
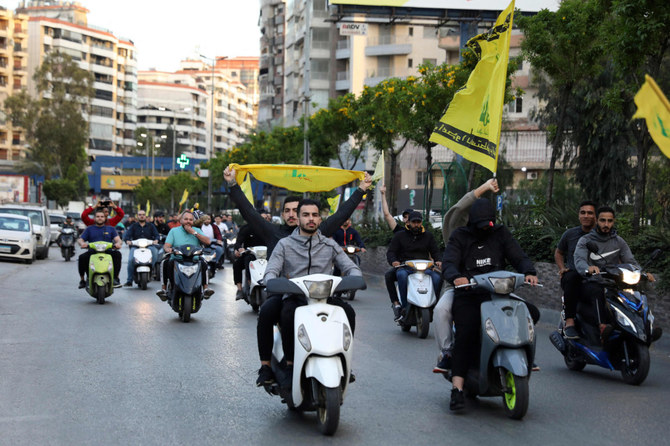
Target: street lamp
211, 138
174, 143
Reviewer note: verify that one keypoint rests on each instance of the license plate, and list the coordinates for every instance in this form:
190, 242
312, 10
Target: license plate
4, 248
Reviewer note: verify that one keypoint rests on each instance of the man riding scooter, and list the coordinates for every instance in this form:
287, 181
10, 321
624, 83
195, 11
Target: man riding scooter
96, 233
140, 229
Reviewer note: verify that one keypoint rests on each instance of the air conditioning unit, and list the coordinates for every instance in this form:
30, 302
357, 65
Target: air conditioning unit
531, 175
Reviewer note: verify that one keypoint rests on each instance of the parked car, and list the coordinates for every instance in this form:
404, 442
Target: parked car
41, 223
17, 239
57, 220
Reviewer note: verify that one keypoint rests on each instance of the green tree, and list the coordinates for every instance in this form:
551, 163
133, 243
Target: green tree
329, 128
60, 190
55, 128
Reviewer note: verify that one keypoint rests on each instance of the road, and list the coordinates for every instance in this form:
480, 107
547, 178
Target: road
128, 372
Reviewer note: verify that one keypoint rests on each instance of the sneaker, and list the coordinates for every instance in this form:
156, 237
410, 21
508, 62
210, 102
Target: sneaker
397, 313
457, 400
352, 378
208, 293
570, 332
82, 284
239, 295
117, 283
265, 376
162, 294
535, 368
444, 365
128, 284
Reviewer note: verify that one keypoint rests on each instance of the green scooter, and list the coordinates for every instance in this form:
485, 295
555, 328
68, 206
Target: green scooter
100, 272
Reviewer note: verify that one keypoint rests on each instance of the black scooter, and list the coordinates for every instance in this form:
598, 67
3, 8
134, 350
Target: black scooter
66, 243
185, 293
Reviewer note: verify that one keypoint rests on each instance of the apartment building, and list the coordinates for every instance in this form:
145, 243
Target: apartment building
245, 70
13, 78
271, 69
63, 27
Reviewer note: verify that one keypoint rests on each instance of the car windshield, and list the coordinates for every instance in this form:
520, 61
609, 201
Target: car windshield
74, 215
14, 224
35, 216
57, 219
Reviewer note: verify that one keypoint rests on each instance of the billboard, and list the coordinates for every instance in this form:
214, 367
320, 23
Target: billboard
14, 188
121, 182
485, 5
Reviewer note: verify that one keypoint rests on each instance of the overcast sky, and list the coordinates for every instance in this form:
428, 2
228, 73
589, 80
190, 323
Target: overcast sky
167, 31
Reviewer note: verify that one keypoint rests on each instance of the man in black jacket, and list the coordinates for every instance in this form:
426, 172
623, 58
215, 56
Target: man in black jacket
413, 243
270, 312
246, 238
477, 248
140, 229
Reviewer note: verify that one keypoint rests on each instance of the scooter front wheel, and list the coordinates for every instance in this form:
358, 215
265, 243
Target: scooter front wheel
100, 294
144, 278
637, 368
186, 304
515, 399
422, 322
574, 363
328, 411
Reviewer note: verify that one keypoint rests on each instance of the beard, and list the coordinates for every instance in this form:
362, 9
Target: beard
308, 230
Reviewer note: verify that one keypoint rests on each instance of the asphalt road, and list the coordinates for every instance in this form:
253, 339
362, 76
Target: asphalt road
129, 372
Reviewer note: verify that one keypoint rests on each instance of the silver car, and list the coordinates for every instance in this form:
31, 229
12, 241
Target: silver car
41, 223
17, 239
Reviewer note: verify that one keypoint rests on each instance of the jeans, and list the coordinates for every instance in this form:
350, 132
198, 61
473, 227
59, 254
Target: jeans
402, 275
131, 263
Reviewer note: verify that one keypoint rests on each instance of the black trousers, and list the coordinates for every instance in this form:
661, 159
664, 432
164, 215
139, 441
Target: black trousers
240, 265
85, 257
389, 279
269, 315
288, 317
594, 295
571, 282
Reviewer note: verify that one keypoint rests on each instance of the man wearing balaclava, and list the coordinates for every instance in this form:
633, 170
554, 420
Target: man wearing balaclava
478, 248
413, 243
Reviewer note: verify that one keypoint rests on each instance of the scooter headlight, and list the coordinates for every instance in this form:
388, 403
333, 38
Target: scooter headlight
623, 320
320, 289
188, 270
503, 285
303, 338
351, 249
346, 337
261, 253
419, 266
630, 277
491, 331
209, 257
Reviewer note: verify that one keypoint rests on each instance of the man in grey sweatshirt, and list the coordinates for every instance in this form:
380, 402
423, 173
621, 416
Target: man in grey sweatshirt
306, 251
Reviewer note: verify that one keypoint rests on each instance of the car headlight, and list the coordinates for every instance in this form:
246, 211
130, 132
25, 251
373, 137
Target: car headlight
346, 337
188, 270
303, 338
503, 285
320, 289
630, 277
491, 331
26, 240
622, 319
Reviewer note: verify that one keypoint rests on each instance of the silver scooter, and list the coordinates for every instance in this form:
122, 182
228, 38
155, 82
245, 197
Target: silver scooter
421, 298
507, 343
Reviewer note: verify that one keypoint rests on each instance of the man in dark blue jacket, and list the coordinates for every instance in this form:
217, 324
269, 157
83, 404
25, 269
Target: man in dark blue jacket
140, 229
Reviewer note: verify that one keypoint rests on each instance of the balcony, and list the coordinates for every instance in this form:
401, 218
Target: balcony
374, 77
388, 46
342, 82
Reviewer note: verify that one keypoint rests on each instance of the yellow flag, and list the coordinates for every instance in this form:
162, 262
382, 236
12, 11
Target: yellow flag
246, 188
334, 203
184, 197
379, 168
298, 178
472, 122
653, 106
148, 207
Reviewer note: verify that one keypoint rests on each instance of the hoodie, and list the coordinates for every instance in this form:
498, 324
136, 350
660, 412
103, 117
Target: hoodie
299, 255
612, 250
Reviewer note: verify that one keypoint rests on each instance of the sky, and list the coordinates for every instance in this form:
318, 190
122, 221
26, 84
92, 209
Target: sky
167, 31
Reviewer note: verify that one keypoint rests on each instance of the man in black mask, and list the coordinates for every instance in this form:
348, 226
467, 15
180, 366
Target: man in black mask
413, 243
478, 248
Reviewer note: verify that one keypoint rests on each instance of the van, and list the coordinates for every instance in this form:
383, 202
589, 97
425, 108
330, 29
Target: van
41, 223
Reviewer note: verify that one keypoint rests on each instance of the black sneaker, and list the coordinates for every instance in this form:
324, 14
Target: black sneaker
444, 365
82, 284
352, 378
570, 332
208, 293
397, 313
265, 376
128, 284
117, 283
162, 294
457, 400
239, 295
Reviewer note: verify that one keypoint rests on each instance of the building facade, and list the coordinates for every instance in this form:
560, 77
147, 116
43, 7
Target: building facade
271, 69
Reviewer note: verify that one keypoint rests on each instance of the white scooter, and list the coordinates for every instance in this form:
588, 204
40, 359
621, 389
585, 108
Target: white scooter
254, 289
421, 298
323, 347
142, 260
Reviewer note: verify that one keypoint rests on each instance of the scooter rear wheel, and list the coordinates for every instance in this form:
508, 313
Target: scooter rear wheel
574, 363
515, 400
144, 278
328, 411
422, 322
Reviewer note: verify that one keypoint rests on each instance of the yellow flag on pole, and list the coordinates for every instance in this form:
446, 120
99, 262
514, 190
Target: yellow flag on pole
246, 188
148, 207
334, 203
296, 177
184, 197
653, 106
379, 168
471, 125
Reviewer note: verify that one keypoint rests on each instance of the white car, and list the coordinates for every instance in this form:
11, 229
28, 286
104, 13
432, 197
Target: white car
57, 221
41, 223
17, 238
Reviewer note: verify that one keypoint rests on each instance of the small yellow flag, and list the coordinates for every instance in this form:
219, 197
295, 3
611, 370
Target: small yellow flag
148, 207
246, 188
471, 125
298, 178
183, 197
379, 169
334, 203
653, 106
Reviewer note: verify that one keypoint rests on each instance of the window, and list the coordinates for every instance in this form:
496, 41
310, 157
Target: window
16, 138
105, 95
428, 32
410, 63
516, 106
433, 62
411, 31
420, 177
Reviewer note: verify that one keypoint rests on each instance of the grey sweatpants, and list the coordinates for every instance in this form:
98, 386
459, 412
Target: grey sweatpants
443, 319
